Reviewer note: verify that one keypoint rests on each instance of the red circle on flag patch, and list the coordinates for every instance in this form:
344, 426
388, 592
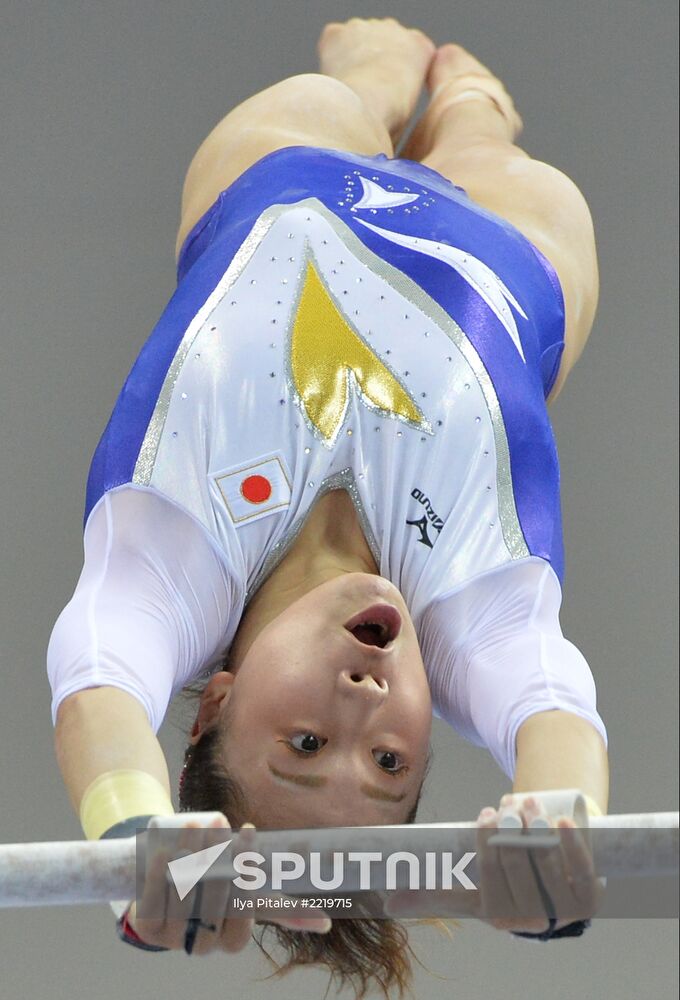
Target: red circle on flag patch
256, 489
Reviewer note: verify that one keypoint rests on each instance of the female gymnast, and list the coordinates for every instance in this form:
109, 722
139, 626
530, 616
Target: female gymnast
330, 489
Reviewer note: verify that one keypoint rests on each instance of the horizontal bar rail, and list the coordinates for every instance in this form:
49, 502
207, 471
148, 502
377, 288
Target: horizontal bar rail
75, 872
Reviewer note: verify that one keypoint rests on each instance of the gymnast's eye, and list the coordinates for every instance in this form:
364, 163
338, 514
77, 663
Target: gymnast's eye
306, 743
389, 761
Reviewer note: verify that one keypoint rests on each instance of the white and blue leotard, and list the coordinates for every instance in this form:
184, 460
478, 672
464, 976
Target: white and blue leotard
352, 322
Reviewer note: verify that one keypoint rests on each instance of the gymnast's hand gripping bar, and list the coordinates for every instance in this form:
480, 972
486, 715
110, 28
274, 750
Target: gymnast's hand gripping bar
73, 872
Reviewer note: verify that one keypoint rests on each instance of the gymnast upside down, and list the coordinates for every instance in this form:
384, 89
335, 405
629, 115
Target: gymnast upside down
329, 488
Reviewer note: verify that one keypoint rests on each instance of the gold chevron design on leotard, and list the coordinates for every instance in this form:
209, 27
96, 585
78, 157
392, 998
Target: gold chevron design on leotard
325, 351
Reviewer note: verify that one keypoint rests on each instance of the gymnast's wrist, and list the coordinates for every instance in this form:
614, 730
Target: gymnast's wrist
116, 800
574, 929
121, 907
119, 804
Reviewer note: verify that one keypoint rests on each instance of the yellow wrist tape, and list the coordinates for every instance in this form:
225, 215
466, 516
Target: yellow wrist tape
118, 795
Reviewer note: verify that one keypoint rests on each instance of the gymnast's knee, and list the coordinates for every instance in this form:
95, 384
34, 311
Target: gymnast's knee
319, 103
318, 89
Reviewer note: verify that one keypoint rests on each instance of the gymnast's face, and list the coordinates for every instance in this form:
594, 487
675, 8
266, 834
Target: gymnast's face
330, 718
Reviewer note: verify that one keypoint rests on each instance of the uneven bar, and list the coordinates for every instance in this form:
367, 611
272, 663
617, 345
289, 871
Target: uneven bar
75, 872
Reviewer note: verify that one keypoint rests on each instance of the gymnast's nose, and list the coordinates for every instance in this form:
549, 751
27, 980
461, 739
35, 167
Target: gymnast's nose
368, 684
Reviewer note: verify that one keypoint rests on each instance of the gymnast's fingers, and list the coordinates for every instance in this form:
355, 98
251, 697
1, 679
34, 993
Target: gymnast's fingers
495, 899
315, 920
531, 907
148, 916
569, 876
235, 934
237, 931
180, 909
212, 898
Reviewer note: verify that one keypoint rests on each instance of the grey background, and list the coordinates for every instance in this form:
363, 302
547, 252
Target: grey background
102, 108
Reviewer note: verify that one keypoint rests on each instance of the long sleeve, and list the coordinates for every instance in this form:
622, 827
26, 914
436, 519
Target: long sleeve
155, 604
495, 655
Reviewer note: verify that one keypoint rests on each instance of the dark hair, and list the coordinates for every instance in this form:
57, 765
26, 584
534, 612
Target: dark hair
357, 952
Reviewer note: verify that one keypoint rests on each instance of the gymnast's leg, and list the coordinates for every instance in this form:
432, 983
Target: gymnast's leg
372, 73
468, 134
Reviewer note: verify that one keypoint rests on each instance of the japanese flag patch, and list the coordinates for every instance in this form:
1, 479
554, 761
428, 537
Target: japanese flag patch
254, 490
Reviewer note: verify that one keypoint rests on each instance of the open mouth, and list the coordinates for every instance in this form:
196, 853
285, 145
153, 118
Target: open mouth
376, 626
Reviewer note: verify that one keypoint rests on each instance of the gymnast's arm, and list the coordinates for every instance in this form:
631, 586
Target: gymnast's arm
557, 749
150, 612
506, 678
105, 729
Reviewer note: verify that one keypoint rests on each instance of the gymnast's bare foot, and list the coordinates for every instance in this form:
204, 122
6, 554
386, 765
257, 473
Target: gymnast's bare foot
382, 61
454, 78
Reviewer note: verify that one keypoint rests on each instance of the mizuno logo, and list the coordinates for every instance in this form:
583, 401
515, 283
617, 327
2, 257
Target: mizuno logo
430, 518
422, 525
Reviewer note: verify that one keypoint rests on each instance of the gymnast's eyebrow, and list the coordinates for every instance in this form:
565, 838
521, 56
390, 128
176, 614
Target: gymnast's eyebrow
316, 781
